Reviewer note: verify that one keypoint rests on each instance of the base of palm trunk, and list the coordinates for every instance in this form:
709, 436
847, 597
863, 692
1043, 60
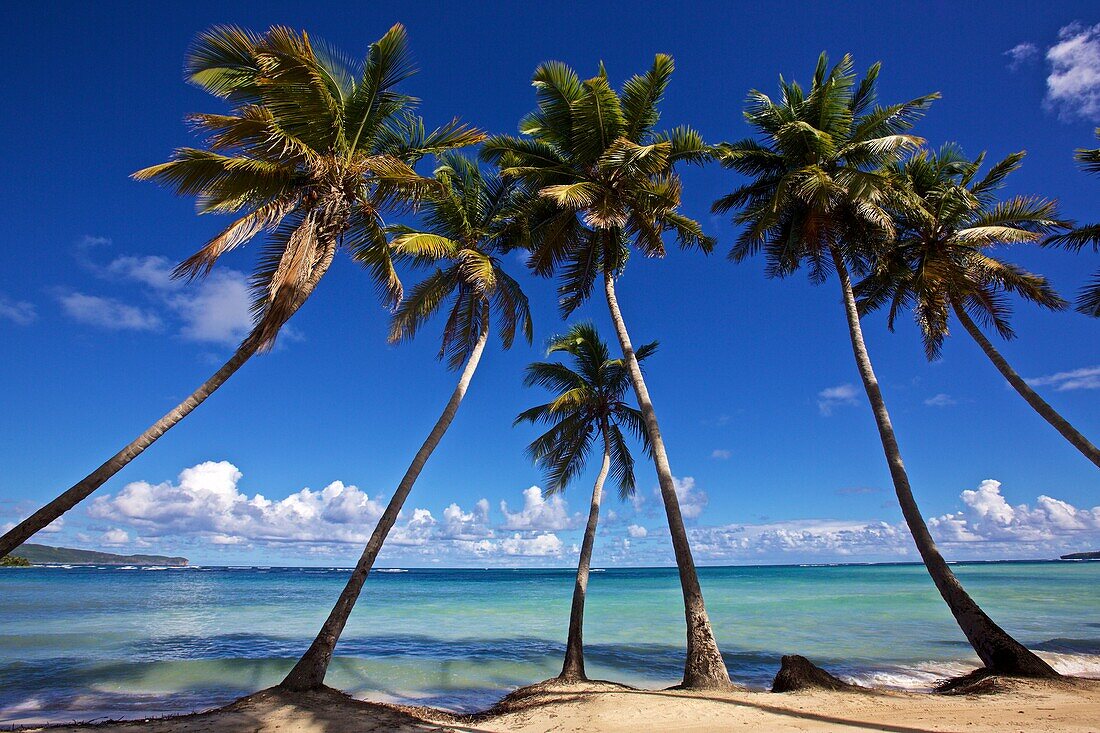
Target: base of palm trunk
571, 678
308, 674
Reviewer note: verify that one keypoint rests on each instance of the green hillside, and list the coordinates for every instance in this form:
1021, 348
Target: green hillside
42, 554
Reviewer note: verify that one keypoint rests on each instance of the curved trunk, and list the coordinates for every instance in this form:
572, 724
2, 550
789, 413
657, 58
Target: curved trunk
309, 672
1048, 413
81, 490
704, 666
998, 651
573, 668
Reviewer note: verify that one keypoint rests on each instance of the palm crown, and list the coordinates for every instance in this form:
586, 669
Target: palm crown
597, 175
1089, 234
470, 221
312, 152
947, 221
816, 167
589, 405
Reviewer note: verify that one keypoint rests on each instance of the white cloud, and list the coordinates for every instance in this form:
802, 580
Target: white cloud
19, 312
637, 531
213, 309
940, 400
217, 310
1073, 86
692, 500
539, 512
542, 545
460, 525
988, 517
206, 501
832, 397
805, 537
987, 527
108, 313
1021, 54
720, 454
1085, 378
115, 537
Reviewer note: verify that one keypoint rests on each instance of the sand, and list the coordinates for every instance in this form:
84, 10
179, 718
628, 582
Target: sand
1034, 707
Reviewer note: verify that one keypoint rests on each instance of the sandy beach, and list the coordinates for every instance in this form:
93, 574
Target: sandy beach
1034, 707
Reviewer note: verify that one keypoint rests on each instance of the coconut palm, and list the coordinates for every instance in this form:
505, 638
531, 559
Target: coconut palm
469, 225
1077, 239
947, 223
819, 196
588, 409
312, 156
600, 180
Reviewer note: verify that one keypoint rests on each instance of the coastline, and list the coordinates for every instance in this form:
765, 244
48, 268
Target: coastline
1039, 707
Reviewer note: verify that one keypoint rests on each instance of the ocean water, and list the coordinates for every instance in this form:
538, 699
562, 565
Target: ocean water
85, 643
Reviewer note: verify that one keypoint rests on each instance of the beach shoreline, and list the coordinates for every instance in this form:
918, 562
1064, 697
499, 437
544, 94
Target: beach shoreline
1072, 704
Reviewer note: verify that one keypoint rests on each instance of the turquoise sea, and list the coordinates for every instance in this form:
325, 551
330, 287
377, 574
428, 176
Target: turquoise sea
82, 643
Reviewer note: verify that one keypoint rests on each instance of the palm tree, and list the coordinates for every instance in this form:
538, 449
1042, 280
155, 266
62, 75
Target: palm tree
589, 407
946, 223
600, 180
470, 223
1076, 240
313, 157
819, 196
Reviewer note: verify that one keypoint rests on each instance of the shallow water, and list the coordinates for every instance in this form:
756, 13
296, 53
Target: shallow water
80, 643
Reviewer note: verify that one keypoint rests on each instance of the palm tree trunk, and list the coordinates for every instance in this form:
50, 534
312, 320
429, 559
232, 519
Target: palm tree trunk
998, 651
82, 489
573, 669
1048, 413
309, 672
704, 667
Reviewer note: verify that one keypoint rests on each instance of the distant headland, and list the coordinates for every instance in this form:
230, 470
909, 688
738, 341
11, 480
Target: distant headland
1095, 555
46, 555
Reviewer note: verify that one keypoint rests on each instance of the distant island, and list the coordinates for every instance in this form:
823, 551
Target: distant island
45, 555
1082, 556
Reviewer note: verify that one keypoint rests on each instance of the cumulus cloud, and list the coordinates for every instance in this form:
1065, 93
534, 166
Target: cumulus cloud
940, 400
1085, 378
19, 312
108, 313
115, 537
206, 503
546, 544
720, 454
539, 512
637, 531
988, 517
693, 500
833, 397
987, 526
206, 500
1020, 54
1073, 85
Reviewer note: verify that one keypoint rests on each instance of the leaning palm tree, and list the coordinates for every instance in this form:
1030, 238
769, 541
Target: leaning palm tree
1077, 239
601, 180
470, 223
313, 157
589, 408
947, 222
819, 196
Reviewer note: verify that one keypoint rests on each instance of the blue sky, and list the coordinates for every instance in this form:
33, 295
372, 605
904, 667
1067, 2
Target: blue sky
98, 343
